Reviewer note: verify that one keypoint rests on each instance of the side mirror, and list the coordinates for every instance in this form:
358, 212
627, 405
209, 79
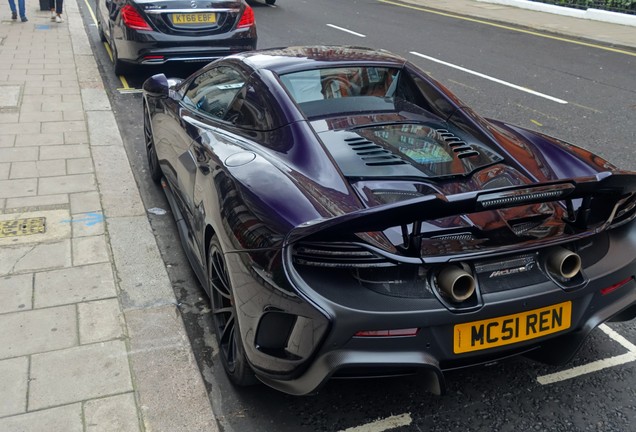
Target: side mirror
157, 86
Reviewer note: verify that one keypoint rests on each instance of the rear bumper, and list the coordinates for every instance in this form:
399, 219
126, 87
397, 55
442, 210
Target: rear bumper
431, 350
380, 362
148, 48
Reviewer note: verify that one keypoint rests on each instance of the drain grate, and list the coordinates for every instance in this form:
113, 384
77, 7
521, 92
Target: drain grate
22, 227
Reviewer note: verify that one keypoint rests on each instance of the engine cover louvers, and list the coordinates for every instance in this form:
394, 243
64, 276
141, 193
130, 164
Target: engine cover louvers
373, 154
460, 147
405, 150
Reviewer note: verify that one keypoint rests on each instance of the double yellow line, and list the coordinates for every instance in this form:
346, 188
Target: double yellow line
124, 82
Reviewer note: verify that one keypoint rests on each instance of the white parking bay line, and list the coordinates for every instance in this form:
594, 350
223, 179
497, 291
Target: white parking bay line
498, 81
587, 368
618, 338
346, 30
596, 365
383, 424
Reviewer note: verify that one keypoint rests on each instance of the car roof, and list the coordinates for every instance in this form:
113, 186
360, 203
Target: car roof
290, 59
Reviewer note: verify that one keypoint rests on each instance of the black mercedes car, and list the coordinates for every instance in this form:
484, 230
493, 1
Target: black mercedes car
155, 32
350, 217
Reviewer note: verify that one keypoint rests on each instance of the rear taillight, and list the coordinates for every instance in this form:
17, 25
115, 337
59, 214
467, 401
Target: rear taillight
132, 19
247, 19
612, 288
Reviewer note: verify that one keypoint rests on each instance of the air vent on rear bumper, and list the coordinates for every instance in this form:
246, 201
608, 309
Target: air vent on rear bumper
357, 273
337, 255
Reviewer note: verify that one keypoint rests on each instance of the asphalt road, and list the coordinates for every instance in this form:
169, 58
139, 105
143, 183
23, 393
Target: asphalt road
599, 113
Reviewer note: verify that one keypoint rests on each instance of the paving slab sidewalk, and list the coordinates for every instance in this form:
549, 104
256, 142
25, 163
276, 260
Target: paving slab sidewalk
91, 338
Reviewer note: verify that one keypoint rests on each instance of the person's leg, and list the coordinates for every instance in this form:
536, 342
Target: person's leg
22, 10
52, 7
58, 10
14, 12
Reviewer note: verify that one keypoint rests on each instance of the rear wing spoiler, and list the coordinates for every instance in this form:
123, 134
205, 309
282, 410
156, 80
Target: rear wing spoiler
592, 204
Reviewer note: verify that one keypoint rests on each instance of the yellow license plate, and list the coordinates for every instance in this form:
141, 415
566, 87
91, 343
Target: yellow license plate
509, 329
194, 18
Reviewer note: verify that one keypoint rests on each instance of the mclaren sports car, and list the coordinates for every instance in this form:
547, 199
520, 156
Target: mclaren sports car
349, 216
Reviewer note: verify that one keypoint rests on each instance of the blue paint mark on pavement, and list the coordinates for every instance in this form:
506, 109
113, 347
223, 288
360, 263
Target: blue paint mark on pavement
89, 220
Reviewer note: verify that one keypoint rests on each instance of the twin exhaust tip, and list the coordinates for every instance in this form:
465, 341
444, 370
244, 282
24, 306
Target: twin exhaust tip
564, 263
458, 285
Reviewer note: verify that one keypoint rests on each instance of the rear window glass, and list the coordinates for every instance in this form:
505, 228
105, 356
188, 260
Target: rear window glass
328, 91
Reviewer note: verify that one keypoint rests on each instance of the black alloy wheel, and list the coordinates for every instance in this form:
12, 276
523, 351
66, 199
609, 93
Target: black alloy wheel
151, 152
224, 321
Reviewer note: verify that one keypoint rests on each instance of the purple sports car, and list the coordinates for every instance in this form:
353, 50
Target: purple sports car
350, 217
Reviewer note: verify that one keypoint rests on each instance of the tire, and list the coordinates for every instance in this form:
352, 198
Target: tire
270, 2
228, 334
151, 152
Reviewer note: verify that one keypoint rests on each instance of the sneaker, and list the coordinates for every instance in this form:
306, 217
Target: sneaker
14, 15
58, 19
53, 16
23, 19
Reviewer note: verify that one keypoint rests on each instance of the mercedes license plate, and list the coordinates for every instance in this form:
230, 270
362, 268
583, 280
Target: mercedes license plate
193, 18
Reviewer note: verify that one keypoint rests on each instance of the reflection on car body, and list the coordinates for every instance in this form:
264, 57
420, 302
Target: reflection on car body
350, 217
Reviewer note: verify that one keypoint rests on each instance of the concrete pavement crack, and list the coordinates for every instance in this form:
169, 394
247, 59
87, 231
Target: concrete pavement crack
31, 249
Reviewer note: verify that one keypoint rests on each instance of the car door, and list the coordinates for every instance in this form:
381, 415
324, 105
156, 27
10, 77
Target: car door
203, 110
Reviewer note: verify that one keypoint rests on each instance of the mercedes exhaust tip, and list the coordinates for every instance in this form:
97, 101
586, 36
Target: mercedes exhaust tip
564, 263
456, 283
